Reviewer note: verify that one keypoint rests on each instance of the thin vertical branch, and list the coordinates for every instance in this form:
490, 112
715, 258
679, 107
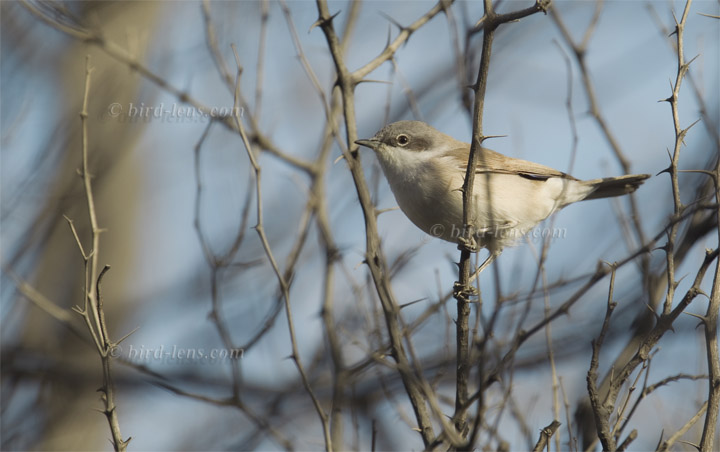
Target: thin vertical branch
374, 258
572, 441
463, 290
92, 311
580, 53
318, 204
551, 358
602, 409
644, 370
284, 288
264, 16
680, 133
711, 344
696, 89
92, 258
211, 39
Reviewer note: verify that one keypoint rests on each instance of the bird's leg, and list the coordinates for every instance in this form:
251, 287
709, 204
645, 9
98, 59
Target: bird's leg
467, 292
490, 259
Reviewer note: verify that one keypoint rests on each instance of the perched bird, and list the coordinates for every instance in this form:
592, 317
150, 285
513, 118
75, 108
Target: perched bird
426, 170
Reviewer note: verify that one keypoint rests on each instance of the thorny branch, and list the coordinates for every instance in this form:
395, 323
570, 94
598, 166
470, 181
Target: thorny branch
601, 408
282, 282
92, 311
463, 290
346, 82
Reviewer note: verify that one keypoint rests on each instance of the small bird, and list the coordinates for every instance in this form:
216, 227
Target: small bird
426, 170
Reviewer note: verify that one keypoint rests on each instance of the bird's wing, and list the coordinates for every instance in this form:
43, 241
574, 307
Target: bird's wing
493, 162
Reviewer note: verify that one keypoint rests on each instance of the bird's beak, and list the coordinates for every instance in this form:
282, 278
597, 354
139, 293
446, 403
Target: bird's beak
371, 143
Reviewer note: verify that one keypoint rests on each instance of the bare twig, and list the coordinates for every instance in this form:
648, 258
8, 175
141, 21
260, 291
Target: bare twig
645, 370
264, 16
258, 420
216, 263
211, 39
601, 271
647, 390
374, 258
284, 287
711, 345
572, 445
601, 408
580, 53
707, 121
119, 54
710, 320
667, 445
545, 435
463, 290
630, 438
664, 323
682, 68
92, 312
391, 48
41, 301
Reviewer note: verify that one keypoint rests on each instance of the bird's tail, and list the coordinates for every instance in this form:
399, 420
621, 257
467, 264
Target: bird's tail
608, 187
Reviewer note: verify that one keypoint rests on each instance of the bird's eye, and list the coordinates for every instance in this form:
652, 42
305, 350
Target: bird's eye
402, 139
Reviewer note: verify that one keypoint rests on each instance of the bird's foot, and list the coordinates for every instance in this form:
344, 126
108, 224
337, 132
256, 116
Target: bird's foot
468, 244
464, 291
